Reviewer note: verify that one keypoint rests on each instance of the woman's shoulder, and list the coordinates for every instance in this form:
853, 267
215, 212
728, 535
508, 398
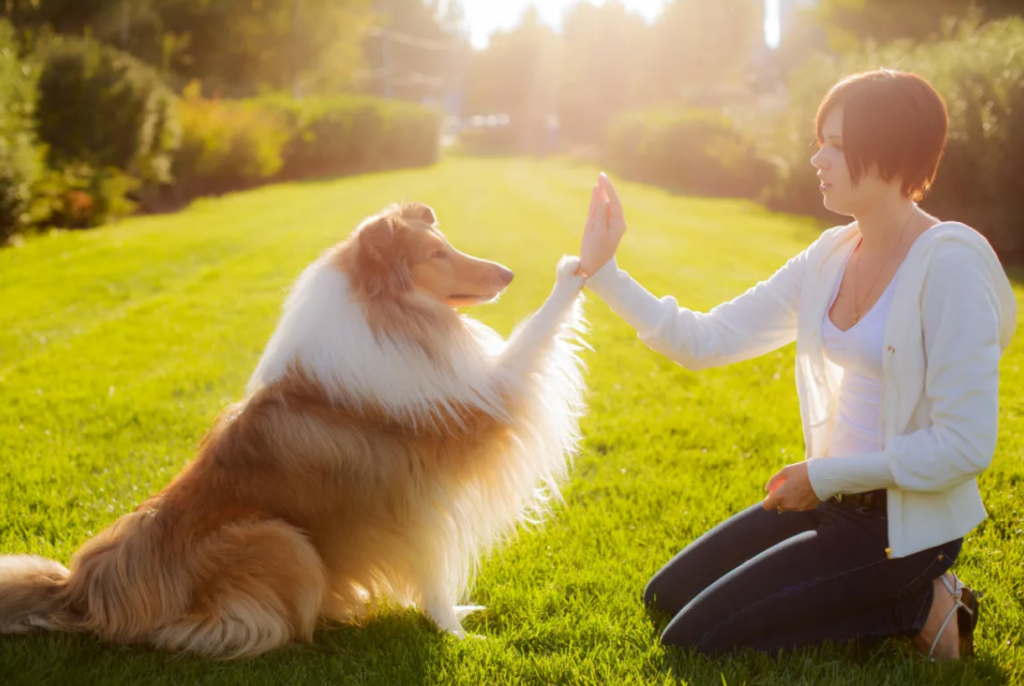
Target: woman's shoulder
953, 233
959, 263
830, 240
838, 233
947, 243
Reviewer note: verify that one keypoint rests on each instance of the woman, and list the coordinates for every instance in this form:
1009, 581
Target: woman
900, 321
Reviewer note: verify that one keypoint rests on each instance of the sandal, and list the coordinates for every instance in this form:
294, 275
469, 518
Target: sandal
966, 609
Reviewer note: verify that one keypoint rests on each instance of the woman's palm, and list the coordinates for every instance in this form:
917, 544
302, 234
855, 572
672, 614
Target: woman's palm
606, 223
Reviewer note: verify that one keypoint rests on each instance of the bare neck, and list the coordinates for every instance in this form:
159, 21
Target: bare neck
889, 227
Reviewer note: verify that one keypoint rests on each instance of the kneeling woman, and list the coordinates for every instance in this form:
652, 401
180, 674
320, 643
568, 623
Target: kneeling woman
900, 321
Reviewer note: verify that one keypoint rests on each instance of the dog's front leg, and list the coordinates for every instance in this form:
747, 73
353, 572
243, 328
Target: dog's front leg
530, 342
448, 616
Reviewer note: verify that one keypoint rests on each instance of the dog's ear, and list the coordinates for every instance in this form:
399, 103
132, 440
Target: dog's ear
420, 212
381, 266
376, 236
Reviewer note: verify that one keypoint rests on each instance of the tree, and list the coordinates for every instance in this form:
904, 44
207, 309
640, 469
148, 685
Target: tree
414, 50
235, 46
274, 43
517, 74
849, 22
606, 69
701, 47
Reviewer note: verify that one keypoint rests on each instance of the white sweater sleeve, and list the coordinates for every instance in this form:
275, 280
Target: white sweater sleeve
758, 321
961, 317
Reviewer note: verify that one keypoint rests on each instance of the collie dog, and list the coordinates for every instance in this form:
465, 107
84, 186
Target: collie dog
385, 442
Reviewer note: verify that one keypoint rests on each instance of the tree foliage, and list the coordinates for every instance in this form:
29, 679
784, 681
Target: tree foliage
608, 60
848, 22
235, 46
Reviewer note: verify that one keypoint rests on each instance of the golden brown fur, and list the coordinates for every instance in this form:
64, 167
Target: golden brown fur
307, 500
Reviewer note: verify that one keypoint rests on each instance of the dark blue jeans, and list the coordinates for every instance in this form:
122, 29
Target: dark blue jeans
772, 581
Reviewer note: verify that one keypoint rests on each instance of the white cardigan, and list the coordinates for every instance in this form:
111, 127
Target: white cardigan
953, 313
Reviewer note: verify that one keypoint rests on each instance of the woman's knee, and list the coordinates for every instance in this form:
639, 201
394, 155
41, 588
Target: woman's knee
677, 583
652, 592
687, 632
666, 592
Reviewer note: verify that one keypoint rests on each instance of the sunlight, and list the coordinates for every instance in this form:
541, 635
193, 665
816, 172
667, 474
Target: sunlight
772, 23
484, 17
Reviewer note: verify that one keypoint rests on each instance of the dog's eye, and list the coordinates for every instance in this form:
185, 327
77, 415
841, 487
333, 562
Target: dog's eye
440, 255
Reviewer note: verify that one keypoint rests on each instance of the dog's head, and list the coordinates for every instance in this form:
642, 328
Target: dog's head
401, 251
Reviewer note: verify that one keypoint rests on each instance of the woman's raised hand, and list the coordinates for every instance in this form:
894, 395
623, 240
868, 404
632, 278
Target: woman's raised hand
606, 223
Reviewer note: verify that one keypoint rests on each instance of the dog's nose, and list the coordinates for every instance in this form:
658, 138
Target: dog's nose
506, 275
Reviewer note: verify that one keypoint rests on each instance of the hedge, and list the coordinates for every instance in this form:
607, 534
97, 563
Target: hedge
21, 162
107, 109
694, 151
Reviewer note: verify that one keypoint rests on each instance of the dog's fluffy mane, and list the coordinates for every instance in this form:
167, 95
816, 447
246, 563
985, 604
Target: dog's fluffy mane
376, 347
371, 342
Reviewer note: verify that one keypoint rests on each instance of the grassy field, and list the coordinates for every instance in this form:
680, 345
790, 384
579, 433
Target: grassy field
119, 346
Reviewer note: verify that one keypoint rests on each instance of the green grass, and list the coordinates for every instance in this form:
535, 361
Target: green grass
119, 346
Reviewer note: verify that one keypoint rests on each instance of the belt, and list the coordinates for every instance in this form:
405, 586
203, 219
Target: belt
873, 501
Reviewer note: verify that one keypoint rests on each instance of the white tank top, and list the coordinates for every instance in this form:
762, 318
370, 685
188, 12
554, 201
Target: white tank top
858, 350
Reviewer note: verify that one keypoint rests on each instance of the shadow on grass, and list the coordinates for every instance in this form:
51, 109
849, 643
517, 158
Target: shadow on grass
395, 649
883, 661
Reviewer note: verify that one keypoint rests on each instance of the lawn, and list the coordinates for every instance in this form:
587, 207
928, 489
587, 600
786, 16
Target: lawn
119, 346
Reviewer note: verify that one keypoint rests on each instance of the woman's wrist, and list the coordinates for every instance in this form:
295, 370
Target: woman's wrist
602, 272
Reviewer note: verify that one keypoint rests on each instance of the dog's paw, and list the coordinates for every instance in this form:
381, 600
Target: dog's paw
463, 611
566, 273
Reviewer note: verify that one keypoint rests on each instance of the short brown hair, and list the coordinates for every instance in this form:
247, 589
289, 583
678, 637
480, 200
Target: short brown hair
892, 119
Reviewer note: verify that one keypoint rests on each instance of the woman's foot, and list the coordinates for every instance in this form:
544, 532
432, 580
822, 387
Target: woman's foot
939, 624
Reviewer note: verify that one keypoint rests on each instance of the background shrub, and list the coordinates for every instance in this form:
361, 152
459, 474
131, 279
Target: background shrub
694, 151
349, 134
106, 109
21, 162
233, 145
227, 145
78, 196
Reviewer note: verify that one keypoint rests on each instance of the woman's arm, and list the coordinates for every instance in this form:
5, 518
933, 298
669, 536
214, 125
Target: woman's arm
759, 321
961, 317
762, 319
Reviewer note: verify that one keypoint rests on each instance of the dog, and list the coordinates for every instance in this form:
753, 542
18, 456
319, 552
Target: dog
384, 444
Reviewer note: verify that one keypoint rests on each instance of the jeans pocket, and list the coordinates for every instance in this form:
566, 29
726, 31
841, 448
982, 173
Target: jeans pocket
914, 572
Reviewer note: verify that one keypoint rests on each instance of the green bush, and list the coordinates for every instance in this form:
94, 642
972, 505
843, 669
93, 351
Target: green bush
228, 145
410, 137
20, 157
78, 196
106, 109
347, 134
232, 145
694, 151
980, 73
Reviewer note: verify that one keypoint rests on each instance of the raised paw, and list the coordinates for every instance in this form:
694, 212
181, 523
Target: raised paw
567, 268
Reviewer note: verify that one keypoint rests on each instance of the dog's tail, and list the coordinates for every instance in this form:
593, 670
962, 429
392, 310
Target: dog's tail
31, 594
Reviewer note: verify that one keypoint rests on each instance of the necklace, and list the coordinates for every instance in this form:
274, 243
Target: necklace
885, 262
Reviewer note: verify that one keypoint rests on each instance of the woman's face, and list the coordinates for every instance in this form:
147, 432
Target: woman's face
841, 195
